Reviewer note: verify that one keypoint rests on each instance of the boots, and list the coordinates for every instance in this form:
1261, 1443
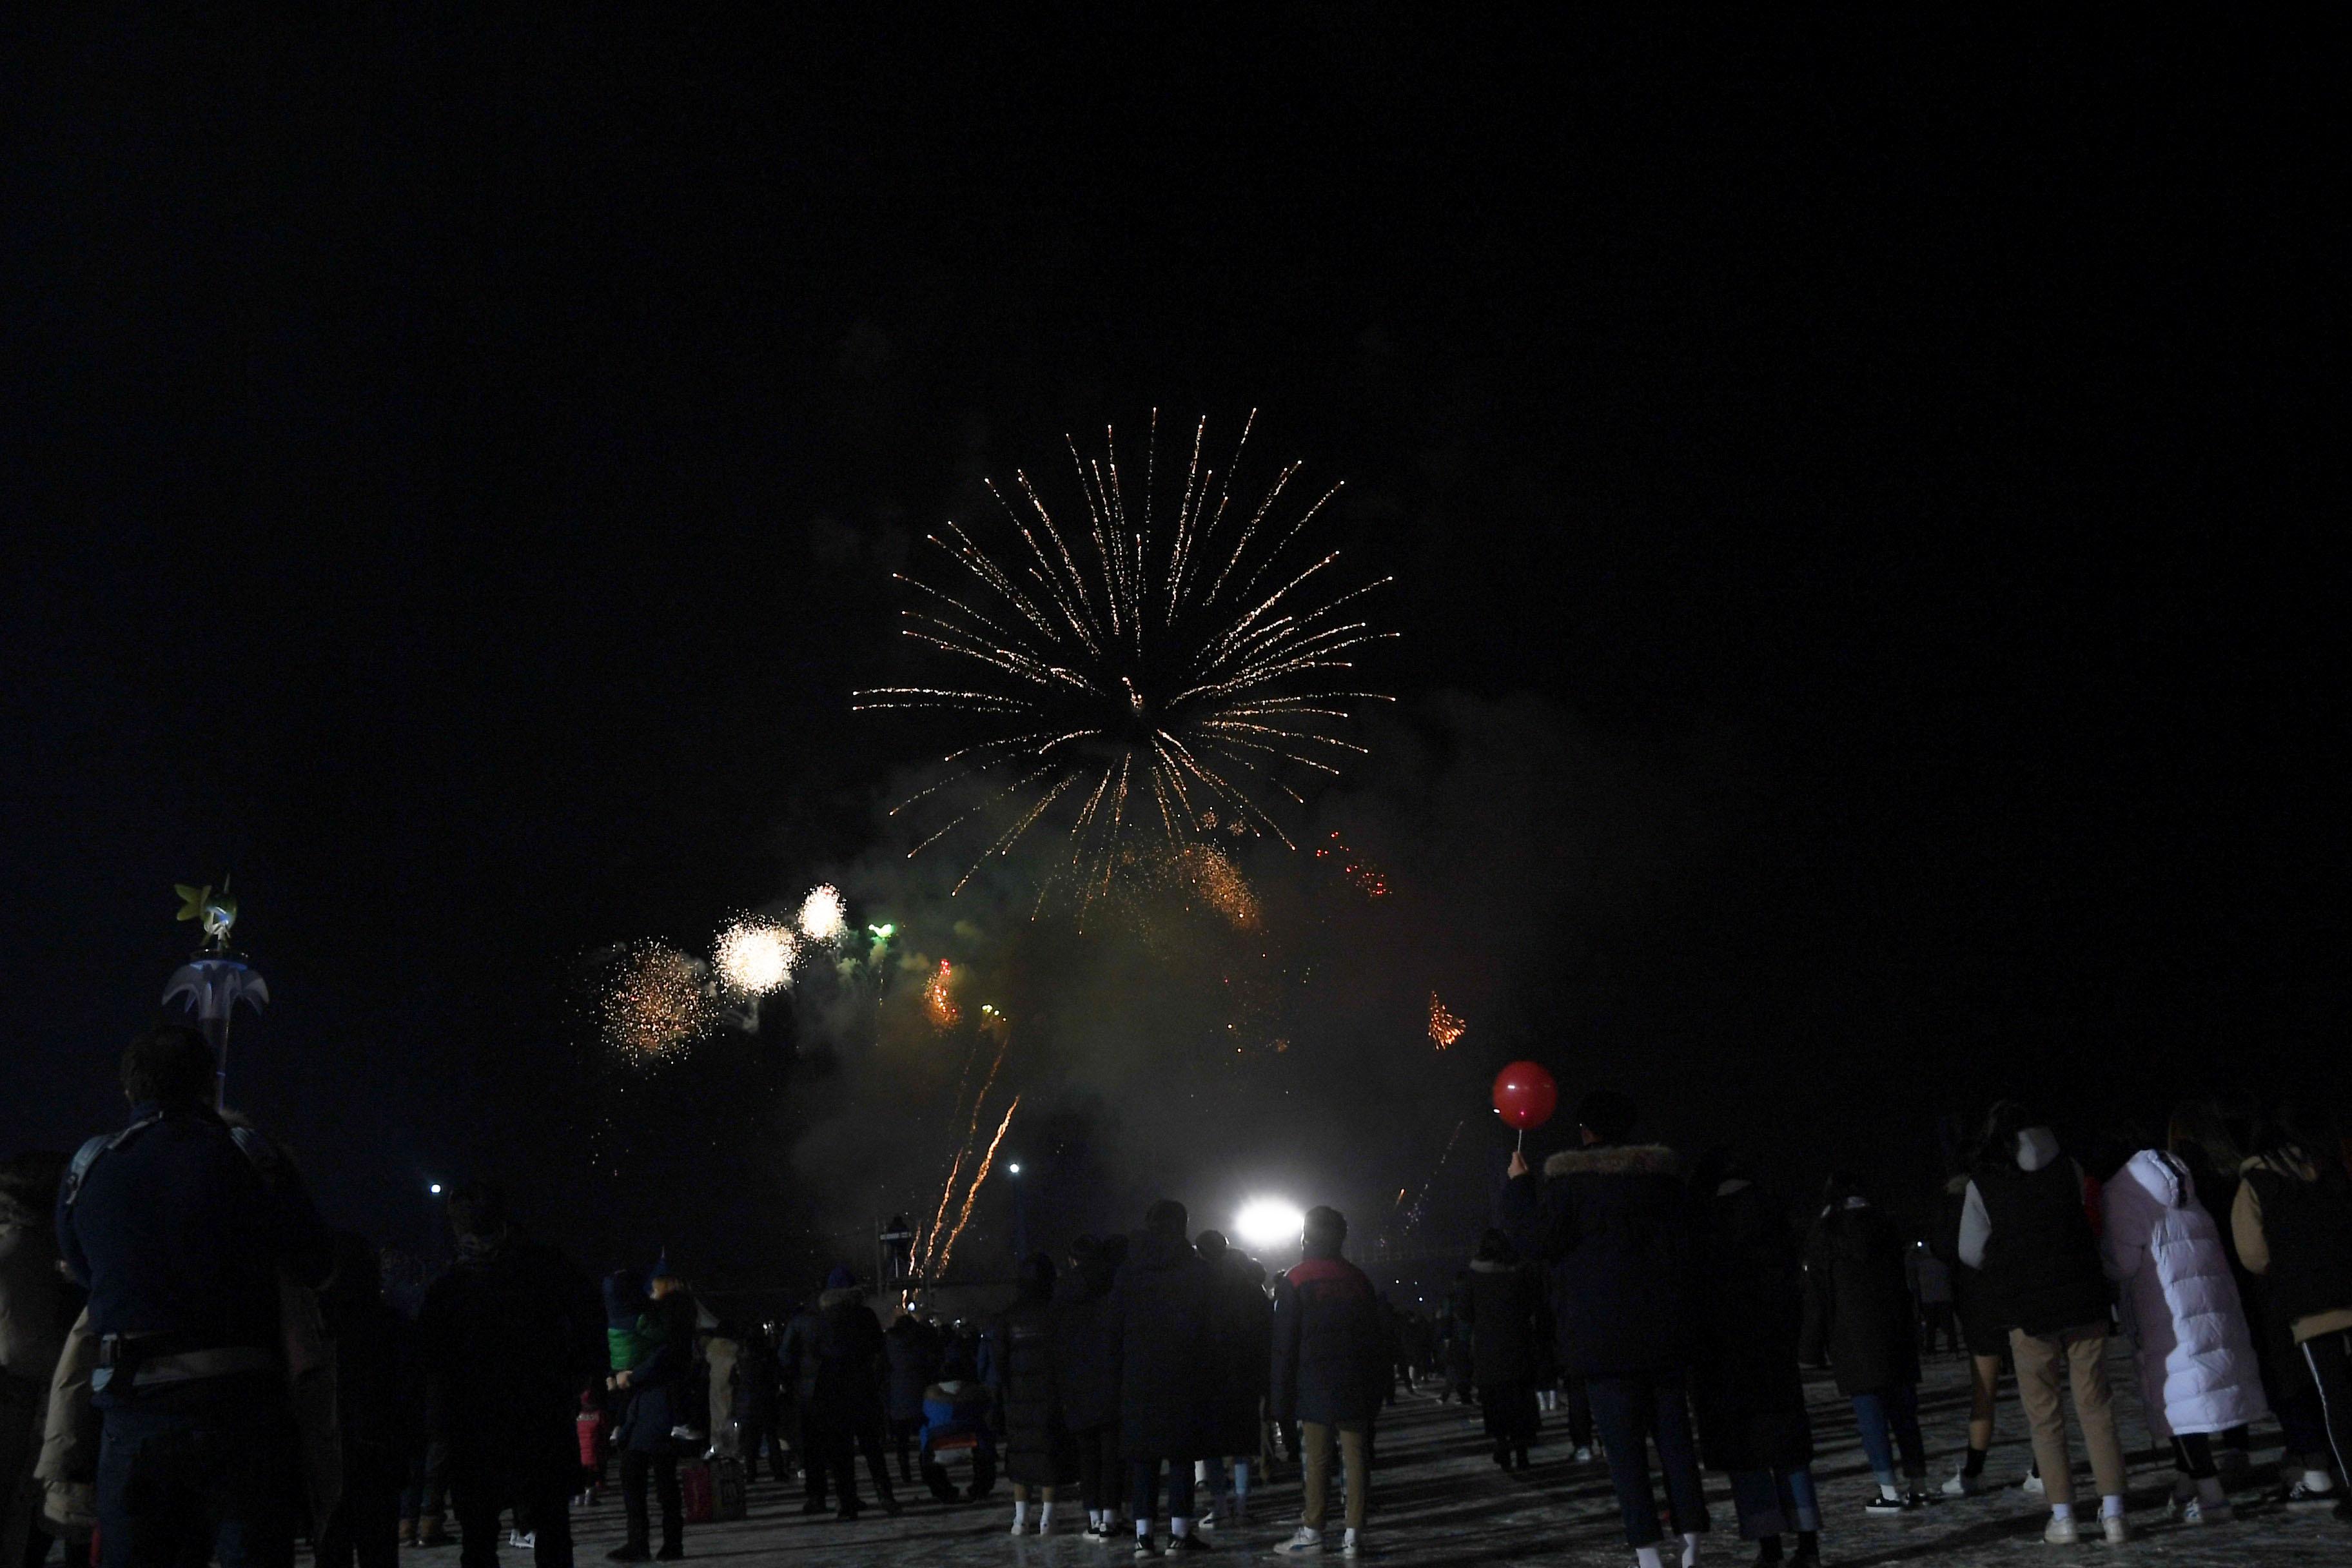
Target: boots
408, 1532
429, 1531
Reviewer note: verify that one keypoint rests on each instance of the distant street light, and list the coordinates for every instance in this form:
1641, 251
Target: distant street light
434, 1189
1014, 1167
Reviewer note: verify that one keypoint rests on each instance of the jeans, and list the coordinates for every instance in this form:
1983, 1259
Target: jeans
1143, 1491
1894, 1410
181, 1484
1649, 1404
1579, 1411
1355, 1461
1774, 1502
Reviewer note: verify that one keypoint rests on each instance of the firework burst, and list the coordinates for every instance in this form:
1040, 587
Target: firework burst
1444, 1025
657, 1002
823, 916
938, 997
1145, 667
755, 957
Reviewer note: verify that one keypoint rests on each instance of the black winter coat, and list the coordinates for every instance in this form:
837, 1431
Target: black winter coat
1037, 1446
1499, 1306
1613, 1223
833, 1361
1331, 1356
507, 1339
911, 1354
1244, 1335
1162, 1319
1085, 1350
1746, 1390
664, 1393
1858, 1311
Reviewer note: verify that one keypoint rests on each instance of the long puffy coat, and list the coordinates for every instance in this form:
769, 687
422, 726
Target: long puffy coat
1858, 1310
1085, 1347
1163, 1316
2194, 1349
1037, 1446
1244, 1333
1612, 1222
1746, 1390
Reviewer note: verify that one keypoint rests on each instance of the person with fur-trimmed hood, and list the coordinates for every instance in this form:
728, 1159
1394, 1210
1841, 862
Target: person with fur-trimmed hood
1611, 1221
832, 1359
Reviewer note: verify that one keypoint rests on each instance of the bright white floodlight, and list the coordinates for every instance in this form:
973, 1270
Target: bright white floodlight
1265, 1223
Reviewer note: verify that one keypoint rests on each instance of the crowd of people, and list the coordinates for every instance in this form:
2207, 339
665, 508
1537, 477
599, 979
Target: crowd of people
193, 1365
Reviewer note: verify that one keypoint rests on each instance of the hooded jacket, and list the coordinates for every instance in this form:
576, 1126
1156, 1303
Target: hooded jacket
912, 1354
833, 1356
1611, 1222
2194, 1350
2025, 1224
508, 1339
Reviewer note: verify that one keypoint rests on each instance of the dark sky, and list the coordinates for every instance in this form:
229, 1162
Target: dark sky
453, 470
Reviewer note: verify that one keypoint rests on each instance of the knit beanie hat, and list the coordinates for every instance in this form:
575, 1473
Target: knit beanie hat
841, 1278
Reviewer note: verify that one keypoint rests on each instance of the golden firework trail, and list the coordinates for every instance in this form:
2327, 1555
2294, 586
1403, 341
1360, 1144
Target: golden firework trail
1444, 1028
963, 1150
987, 1164
1121, 672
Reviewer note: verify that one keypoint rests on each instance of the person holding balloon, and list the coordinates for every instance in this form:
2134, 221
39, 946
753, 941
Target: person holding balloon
1610, 1220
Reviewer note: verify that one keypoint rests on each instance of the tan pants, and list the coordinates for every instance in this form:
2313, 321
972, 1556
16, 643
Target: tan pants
1315, 1441
2084, 1354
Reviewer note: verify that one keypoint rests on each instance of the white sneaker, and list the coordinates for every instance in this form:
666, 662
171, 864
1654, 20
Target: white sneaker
2031, 1485
1207, 1521
1353, 1546
1963, 1484
1584, 1455
2116, 1530
1306, 1543
522, 1541
2062, 1532
2197, 1510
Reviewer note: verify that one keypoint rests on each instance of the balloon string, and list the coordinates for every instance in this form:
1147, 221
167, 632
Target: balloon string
1523, 1139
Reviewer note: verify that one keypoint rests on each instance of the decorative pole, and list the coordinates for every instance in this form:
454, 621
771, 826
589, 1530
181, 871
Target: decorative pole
216, 979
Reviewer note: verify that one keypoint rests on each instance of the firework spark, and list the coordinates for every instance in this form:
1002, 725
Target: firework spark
754, 957
1128, 672
938, 997
987, 1164
1444, 1028
1220, 884
657, 1002
824, 917
1366, 878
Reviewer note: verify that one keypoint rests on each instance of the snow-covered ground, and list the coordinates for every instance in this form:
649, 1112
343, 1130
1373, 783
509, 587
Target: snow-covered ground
1438, 1500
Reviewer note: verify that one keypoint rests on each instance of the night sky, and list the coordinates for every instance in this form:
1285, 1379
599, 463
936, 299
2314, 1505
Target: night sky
1867, 493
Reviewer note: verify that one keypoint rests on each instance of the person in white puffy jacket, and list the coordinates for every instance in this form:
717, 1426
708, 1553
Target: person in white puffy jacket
2194, 1351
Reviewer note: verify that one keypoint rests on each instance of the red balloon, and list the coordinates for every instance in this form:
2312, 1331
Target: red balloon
1525, 1095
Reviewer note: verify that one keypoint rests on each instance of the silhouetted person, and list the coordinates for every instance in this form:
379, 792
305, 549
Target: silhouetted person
1330, 1373
510, 1338
1163, 1309
180, 1226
